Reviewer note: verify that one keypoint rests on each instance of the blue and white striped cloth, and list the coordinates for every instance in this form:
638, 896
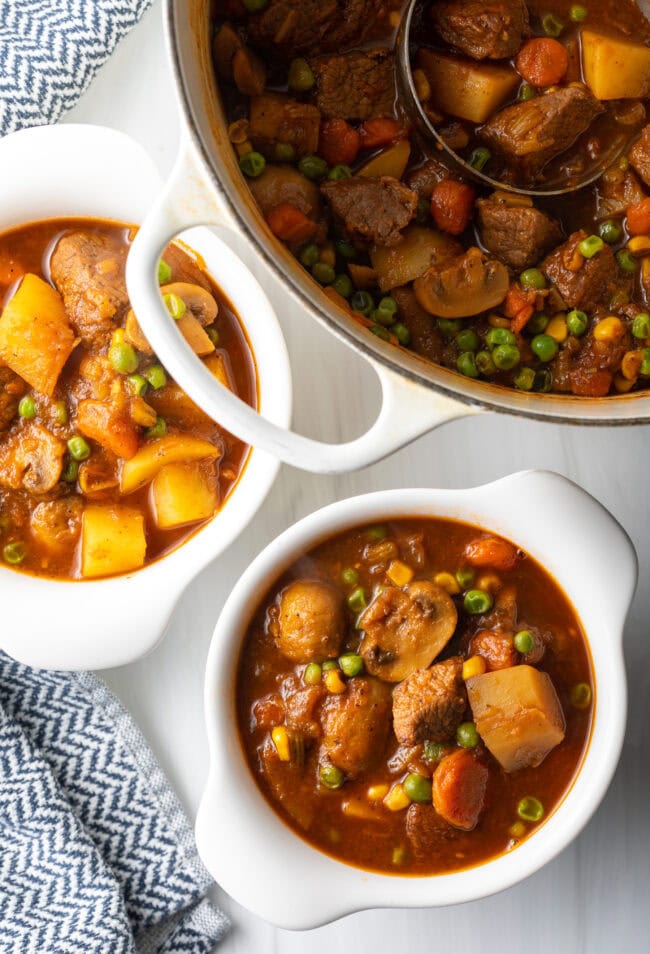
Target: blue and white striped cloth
51, 49
96, 854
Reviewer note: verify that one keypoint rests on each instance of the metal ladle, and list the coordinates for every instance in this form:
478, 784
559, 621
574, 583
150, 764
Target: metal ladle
414, 107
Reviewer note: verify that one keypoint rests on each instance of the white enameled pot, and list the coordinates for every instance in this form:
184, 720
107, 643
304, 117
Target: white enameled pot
269, 869
89, 171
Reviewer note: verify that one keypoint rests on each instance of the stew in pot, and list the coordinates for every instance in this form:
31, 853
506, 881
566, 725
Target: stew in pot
415, 697
539, 294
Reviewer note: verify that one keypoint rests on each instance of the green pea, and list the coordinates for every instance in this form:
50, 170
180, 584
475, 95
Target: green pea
329, 664
27, 408
423, 212
467, 736
578, 13
377, 532
330, 776
479, 158
312, 674
500, 336
301, 76
552, 25
524, 379
484, 363
537, 323
164, 272
339, 172
380, 332
449, 327
60, 411
14, 553
159, 429
526, 92
284, 152
323, 273
137, 384
343, 285
477, 602
71, 472
345, 249
350, 664
626, 261
155, 375
532, 278
350, 576
591, 246
402, 333
252, 164
418, 788
386, 310
506, 357
524, 641
610, 231
175, 306
576, 322
213, 335
357, 600
641, 325
78, 448
468, 340
313, 167
465, 577
544, 347
466, 364
433, 751
644, 370
530, 809
362, 301
580, 695
309, 255
123, 357
543, 381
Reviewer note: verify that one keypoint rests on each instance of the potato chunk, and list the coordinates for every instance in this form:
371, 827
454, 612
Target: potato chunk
518, 715
152, 457
182, 494
36, 338
615, 68
112, 541
417, 250
471, 91
311, 622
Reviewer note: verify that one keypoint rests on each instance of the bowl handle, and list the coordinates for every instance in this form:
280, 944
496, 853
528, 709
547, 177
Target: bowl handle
407, 411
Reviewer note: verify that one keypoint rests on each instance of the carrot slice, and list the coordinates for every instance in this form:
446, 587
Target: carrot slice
490, 551
290, 224
638, 218
542, 61
452, 205
339, 142
459, 785
380, 132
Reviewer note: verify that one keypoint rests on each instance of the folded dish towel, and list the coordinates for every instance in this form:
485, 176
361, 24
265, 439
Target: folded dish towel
51, 49
96, 854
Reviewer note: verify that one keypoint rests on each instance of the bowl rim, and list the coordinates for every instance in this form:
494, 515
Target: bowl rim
234, 816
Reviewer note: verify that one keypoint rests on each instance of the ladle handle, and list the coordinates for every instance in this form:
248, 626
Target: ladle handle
407, 410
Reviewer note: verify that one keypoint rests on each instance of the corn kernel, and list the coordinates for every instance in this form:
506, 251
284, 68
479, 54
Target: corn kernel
397, 799
631, 365
639, 245
622, 385
355, 808
489, 582
280, 738
333, 682
474, 666
422, 85
557, 328
399, 573
518, 830
327, 255
377, 792
448, 582
118, 336
645, 271
609, 329
394, 18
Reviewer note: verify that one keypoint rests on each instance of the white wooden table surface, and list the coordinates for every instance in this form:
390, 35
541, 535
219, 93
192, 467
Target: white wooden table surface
594, 898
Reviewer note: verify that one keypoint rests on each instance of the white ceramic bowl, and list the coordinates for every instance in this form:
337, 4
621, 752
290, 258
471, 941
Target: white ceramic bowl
79, 171
269, 869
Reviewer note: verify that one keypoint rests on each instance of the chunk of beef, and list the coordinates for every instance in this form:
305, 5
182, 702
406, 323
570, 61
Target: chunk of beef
31, 458
185, 268
55, 524
492, 30
495, 647
301, 704
275, 118
12, 388
582, 282
519, 235
427, 831
430, 703
279, 184
356, 724
371, 210
357, 85
639, 155
530, 134
310, 622
426, 340
423, 179
289, 27
88, 270
618, 189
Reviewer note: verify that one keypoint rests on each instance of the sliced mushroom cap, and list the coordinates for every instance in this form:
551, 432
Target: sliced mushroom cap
200, 302
464, 286
31, 458
310, 622
406, 629
56, 523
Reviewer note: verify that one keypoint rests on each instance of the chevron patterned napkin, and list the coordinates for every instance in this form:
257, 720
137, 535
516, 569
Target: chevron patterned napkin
51, 49
96, 855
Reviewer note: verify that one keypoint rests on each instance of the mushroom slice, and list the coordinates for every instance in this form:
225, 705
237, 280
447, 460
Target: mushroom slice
32, 458
200, 302
466, 285
406, 629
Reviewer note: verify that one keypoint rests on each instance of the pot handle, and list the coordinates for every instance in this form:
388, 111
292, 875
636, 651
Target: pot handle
407, 411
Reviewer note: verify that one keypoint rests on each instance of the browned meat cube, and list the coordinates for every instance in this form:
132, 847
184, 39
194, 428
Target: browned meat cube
618, 189
530, 134
289, 27
356, 724
12, 389
519, 235
310, 622
88, 270
430, 703
357, 85
482, 30
582, 282
426, 177
371, 210
275, 118
426, 339
301, 703
427, 831
639, 155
